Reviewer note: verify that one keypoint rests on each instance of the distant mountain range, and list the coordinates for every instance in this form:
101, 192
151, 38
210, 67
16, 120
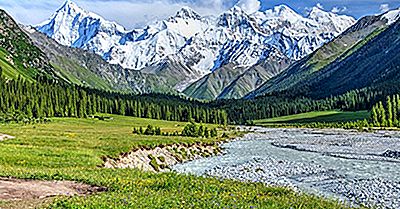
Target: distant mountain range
363, 56
205, 46
232, 55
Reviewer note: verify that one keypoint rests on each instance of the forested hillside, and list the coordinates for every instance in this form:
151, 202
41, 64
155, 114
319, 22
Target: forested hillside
24, 100
331, 54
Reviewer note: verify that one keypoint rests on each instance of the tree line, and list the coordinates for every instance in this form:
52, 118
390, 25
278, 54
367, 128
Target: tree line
244, 111
50, 98
190, 130
387, 114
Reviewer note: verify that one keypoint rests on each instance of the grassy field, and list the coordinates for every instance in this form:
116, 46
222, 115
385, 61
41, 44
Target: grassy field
312, 117
71, 149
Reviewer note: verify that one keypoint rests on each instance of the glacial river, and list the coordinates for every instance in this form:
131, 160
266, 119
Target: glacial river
360, 168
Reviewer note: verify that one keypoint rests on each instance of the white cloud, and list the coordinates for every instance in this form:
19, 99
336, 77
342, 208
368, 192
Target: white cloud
384, 8
135, 14
129, 13
339, 9
249, 6
319, 5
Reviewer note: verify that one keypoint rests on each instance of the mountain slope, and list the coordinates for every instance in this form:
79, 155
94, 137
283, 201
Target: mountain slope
374, 64
231, 81
18, 55
254, 77
334, 51
200, 45
88, 69
369, 58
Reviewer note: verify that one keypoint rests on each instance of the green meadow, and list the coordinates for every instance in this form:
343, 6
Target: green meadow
72, 149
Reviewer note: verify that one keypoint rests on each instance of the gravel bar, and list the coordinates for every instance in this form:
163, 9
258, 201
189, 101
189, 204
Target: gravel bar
358, 168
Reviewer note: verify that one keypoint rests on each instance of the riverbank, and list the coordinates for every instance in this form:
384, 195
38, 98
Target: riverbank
71, 149
359, 168
160, 159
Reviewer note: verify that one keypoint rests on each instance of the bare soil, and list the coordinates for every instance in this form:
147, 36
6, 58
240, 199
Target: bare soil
5, 136
18, 193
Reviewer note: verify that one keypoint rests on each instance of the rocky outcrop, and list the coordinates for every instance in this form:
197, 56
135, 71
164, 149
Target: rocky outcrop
160, 159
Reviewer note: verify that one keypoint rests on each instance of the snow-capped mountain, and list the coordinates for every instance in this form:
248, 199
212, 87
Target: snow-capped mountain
202, 44
157, 41
73, 26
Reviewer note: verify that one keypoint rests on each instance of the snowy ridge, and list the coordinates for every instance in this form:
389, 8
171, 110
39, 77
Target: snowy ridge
75, 27
392, 16
202, 44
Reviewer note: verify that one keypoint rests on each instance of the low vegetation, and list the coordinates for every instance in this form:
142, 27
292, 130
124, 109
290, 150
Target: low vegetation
321, 119
190, 130
72, 149
317, 117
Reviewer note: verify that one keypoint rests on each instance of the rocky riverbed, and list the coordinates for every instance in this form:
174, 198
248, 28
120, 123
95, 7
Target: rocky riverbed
359, 168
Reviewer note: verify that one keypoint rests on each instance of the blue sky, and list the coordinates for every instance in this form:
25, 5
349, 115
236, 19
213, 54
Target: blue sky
135, 13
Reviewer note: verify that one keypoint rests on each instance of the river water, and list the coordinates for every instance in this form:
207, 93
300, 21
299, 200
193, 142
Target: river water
359, 168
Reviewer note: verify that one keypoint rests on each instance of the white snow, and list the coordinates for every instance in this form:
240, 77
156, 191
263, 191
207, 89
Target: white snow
202, 43
392, 16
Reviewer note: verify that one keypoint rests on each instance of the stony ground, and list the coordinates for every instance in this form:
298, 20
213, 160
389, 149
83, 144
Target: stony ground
359, 168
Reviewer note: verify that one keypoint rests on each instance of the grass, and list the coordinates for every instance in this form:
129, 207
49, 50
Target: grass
12, 71
313, 117
71, 149
80, 75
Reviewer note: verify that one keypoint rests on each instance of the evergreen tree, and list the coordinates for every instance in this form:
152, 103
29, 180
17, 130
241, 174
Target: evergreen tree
398, 109
206, 132
141, 130
394, 111
201, 130
214, 132
382, 115
375, 117
389, 110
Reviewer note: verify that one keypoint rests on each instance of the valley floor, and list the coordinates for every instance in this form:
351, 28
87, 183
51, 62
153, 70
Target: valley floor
69, 149
315, 117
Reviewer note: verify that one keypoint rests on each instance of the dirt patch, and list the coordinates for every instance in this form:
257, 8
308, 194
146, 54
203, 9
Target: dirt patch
18, 190
5, 136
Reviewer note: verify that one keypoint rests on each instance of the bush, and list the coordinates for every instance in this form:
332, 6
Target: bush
194, 130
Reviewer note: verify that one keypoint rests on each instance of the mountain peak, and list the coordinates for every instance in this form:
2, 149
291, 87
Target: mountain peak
187, 12
71, 7
318, 13
236, 9
283, 10
72, 25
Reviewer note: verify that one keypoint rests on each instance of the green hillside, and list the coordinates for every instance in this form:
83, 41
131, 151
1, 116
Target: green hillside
313, 117
328, 56
18, 55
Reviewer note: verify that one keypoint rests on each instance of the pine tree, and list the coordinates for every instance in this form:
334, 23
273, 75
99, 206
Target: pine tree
201, 131
214, 132
374, 116
389, 110
206, 133
141, 130
394, 111
398, 109
382, 115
